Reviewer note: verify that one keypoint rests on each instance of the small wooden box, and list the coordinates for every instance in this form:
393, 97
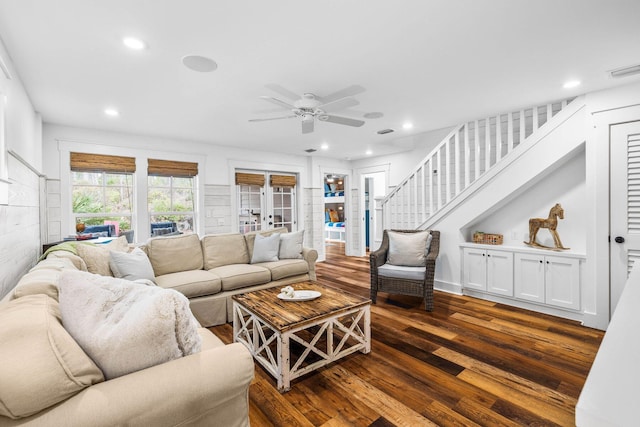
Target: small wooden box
487, 238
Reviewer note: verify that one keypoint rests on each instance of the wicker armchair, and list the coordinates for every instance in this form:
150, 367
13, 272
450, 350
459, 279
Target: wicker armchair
422, 287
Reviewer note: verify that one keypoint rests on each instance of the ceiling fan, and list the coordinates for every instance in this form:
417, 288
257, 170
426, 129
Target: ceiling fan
309, 107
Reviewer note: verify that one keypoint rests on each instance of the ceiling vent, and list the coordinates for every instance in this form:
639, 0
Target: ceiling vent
384, 131
310, 150
624, 71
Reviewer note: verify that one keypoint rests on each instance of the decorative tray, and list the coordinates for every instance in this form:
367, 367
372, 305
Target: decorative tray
299, 296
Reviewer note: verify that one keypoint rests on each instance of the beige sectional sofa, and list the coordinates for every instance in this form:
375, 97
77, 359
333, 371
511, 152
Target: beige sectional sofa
210, 270
46, 379
208, 388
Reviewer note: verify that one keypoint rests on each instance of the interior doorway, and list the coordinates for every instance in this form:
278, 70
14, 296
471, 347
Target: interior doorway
335, 209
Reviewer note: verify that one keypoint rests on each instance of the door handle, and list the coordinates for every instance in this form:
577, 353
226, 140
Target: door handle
619, 239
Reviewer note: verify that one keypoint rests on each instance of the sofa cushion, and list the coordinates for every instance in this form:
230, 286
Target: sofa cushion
286, 268
224, 249
175, 253
265, 248
193, 283
250, 238
126, 326
41, 363
402, 272
39, 281
209, 340
97, 256
75, 259
291, 245
408, 249
131, 266
236, 276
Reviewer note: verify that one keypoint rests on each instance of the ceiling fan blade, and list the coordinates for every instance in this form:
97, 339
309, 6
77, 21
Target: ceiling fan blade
271, 118
340, 104
269, 110
341, 120
307, 126
283, 91
278, 102
344, 93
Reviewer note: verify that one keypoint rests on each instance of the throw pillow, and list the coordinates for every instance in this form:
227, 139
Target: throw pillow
291, 245
97, 256
265, 248
131, 266
408, 249
41, 363
126, 326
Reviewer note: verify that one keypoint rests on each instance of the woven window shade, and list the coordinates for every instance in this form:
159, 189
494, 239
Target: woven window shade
171, 168
249, 179
283, 181
83, 162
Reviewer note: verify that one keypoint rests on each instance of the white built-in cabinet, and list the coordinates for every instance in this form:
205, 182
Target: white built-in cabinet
489, 270
552, 280
527, 275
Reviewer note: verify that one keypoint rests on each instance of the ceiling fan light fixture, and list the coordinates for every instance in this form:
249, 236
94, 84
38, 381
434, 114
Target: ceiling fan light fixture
323, 117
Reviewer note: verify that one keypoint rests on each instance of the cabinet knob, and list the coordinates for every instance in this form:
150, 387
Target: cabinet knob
540, 261
547, 262
619, 239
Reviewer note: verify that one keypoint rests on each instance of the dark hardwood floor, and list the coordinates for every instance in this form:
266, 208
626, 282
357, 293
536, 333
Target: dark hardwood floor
469, 362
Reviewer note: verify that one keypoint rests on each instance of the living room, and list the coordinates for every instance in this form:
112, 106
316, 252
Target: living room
44, 121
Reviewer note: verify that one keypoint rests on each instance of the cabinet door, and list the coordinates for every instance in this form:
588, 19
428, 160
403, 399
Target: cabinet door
529, 277
475, 269
500, 272
562, 284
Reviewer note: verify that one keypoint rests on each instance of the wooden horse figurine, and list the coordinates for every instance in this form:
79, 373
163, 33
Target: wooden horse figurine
535, 224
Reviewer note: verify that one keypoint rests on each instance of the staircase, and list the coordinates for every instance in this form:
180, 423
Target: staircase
470, 154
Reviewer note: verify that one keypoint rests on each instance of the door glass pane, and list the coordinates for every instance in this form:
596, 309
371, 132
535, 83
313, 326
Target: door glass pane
249, 208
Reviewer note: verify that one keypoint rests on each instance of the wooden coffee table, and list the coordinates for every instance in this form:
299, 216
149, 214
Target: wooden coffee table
292, 338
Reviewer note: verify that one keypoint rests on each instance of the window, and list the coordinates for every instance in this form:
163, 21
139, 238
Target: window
102, 190
171, 196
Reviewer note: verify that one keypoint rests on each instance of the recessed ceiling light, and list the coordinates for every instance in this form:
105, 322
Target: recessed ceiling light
407, 126
199, 63
571, 84
111, 112
134, 43
324, 146
368, 152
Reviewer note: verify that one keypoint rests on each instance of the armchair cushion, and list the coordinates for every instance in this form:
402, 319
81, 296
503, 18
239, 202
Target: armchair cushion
402, 272
408, 249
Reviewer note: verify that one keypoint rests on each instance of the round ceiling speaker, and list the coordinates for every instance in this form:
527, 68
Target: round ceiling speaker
199, 63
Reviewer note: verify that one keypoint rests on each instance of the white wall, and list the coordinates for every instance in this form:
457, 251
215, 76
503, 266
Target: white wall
20, 218
400, 164
217, 164
565, 185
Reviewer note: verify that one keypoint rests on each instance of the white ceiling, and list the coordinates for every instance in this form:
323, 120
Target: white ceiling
435, 63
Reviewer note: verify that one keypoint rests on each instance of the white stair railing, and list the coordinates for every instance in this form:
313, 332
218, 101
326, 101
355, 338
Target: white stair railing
468, 152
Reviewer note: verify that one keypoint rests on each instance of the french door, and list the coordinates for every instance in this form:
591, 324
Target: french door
625, 204
265, 200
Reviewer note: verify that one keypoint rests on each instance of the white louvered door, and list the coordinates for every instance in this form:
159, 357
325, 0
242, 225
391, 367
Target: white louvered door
625, 204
